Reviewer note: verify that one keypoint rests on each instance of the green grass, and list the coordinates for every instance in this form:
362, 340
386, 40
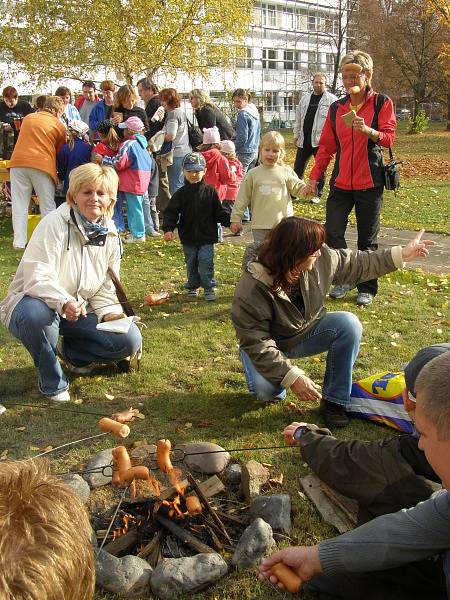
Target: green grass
423, 198
190, 373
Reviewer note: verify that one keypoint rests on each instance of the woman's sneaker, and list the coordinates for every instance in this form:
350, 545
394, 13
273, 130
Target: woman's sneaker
61, 397
210, 295
339, 291
133, 240
192, 293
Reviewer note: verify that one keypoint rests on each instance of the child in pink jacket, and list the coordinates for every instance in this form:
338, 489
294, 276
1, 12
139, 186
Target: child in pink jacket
229, 151
218, 172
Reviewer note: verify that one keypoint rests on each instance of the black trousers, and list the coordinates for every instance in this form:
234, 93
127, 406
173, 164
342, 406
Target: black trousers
301, 160
367, 204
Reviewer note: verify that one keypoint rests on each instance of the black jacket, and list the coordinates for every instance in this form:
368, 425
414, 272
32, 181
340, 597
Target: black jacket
150, 109
208, 116
136, 111
195, 209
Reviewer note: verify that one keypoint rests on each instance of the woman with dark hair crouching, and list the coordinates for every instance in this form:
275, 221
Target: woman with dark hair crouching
278, 312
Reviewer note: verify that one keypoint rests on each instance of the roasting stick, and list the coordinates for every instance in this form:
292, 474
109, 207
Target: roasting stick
70, 444
113, 518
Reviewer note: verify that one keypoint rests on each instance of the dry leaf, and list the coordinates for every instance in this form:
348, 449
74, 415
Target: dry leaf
4, 455
46, 449
205, 423
21, 428
267, 465
159, 253
277, 480
109, 396
34, 448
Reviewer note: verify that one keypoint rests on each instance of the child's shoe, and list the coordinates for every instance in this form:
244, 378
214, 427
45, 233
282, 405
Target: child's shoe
192, 293
210, 295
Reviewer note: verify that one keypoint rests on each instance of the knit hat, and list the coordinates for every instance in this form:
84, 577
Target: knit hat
227, 147
423, 357
105, 126
78, 127
211, 136
194, 162
133, 124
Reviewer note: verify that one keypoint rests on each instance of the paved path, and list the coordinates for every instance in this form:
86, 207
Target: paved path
437, 262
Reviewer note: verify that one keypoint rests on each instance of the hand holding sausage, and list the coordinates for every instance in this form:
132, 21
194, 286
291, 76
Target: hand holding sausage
304, 561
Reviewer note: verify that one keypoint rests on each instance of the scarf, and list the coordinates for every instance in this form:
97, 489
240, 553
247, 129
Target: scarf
93, 230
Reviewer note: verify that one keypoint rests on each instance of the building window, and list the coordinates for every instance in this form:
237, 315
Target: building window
289, 57
288, 15
269, 59
288, 103
245, 60
312, 61
329, 61
270, 100
302, 20
269, 15
312, 23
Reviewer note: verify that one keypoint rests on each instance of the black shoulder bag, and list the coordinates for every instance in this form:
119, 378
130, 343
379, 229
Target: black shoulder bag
194, 134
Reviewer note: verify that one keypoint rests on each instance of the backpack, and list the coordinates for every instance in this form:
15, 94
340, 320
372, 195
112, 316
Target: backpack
194, 134
391, 173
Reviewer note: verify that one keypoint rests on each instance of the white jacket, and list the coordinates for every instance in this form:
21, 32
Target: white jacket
319, 118
58, 266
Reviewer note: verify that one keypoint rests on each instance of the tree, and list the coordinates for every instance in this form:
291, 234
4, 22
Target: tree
70, 38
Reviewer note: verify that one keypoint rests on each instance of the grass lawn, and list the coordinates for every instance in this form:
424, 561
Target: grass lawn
423, 198
190, 385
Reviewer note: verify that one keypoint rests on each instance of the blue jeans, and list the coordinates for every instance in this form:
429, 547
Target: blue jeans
135, 213
338, 334
151, 219
175, 174
38, 327
248, 160
199, 266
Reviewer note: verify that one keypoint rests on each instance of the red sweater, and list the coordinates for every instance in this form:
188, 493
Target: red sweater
359, 161
218, 172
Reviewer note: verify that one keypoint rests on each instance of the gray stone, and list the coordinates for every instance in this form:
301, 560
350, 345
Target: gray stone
256, 541
101, 459
144, 455
275, 510
232, 474
175, 577
254, 476
128, 576
205, 463
78, 485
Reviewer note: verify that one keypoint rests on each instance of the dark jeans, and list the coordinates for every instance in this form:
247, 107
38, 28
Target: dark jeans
199, 266
367, 204
301, 160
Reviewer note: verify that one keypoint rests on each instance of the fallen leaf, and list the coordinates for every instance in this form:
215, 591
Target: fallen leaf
159, 253
109, 396
21, 428
46, 449
4, 455
439, 331
302, 495
277, 480
205, 423
34, 448
267, 465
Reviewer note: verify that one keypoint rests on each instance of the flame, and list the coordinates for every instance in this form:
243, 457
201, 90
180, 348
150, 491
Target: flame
127, 519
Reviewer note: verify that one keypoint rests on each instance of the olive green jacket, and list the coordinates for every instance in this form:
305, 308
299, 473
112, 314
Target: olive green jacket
268, 324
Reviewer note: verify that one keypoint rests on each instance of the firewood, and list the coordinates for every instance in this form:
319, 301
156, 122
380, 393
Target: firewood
184, 535
210, 487
122, 543
207, 507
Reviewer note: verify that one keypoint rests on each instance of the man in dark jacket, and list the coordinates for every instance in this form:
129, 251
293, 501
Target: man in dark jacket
195, 209
12, 111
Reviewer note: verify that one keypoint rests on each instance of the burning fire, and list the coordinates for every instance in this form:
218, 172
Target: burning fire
127, 519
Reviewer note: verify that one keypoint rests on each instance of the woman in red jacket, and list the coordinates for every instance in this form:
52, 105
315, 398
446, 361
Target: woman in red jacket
357, 127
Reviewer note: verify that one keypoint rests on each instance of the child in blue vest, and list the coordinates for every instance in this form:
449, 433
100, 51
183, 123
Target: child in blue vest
76, 152
133, 165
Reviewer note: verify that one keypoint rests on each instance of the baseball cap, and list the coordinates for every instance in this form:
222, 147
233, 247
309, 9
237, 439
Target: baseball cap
415, 365
133, 123
194, 162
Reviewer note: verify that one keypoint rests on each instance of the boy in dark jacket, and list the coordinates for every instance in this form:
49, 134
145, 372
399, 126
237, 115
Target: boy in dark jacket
195, 209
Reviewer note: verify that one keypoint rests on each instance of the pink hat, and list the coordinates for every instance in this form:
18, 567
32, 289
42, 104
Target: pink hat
211, 136
133, 123
227, 147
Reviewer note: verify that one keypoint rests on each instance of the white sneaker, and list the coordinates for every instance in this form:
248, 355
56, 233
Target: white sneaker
2, 409
133, 240
61, 397
315, 200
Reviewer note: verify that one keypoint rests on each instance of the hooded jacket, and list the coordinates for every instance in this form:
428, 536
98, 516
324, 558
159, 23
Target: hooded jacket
248, 130
195, 209
268, 324
133, 165
218, 172
233, 187
59, 265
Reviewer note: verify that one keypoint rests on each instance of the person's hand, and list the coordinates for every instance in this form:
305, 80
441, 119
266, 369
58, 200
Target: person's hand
305, 389
235, 228
168, 236
301, 559
359, 124
7, 127
289, 431
416, 247
112, 317
310, 189
72, 310
117, 118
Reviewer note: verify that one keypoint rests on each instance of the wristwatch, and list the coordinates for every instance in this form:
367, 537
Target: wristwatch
309, 427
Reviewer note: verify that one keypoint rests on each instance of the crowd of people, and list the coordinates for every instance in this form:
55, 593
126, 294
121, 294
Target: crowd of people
66, 306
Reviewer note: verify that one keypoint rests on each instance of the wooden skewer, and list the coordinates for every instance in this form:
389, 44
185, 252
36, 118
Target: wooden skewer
215, 517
